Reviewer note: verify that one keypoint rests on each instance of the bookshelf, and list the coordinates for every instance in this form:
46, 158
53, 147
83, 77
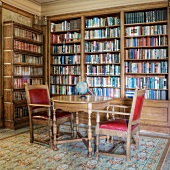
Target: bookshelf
146, 52
102, 54
65, 56
23, 63
139, 56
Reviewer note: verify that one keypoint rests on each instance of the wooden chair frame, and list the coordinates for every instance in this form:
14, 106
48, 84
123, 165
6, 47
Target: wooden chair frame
40, 108
128, 134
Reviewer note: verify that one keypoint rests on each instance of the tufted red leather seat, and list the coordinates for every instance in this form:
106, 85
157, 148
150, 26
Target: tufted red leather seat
117, 124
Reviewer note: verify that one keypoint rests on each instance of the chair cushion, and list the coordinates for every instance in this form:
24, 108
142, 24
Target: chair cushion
117, 124
44, 115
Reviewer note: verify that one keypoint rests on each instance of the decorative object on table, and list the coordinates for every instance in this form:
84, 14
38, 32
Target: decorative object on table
82, 88
126, 126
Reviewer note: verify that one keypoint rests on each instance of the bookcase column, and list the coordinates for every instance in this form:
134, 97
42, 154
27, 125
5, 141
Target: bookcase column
82, 74
122, 80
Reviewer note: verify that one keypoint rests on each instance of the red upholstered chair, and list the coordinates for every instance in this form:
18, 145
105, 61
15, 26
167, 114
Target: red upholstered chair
40, 110
121, 127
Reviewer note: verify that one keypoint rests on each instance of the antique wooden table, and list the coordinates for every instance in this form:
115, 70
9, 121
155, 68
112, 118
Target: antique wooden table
74, 103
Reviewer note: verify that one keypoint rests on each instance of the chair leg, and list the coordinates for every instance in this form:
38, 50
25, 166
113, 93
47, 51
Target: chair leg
58, 130
108, 139
128, 147
137, 139
72, 125
31, 133
97, 146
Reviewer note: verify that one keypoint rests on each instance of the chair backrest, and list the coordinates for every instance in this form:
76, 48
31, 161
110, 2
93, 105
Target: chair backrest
137, 104
37, 94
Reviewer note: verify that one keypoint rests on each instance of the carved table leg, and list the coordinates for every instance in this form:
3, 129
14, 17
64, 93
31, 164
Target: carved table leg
54, 129
89, 130
77, 124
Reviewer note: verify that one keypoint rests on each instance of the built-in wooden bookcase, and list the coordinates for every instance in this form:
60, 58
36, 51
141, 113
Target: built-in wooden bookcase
23, 63
102, 54
65, 56
146, 52
121, 47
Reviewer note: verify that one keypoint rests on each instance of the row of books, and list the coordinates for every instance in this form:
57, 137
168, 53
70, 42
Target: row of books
156, 94
146, 53
59, 49
19, 82
27, 70
103, 70
107, 58
18, 45
146, 30
146, 67
26, 34
66, 25
65, 38
96, 46
146, 16
71, 59
109, 92
66, 70
102, 33
102, 21
63, 89
67, 80
19, 96
147, 41
150, 94
103, 81
148, 82
20, 112
24, 58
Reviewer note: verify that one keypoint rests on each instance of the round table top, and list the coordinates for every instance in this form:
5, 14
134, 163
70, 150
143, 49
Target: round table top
78, 99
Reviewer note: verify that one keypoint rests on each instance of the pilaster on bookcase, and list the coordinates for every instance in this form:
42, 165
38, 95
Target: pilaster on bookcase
23, 63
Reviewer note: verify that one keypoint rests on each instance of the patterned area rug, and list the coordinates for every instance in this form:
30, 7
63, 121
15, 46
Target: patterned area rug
17, 153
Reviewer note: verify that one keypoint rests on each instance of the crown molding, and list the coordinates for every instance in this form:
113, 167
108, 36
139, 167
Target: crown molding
60, 7
25, 5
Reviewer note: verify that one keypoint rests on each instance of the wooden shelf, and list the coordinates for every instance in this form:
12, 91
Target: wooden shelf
23, 62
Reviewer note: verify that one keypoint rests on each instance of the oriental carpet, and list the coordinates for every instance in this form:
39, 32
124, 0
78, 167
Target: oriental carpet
17, 153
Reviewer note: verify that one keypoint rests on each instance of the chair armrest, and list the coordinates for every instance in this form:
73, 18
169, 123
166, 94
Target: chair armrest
39, 105
112, 112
